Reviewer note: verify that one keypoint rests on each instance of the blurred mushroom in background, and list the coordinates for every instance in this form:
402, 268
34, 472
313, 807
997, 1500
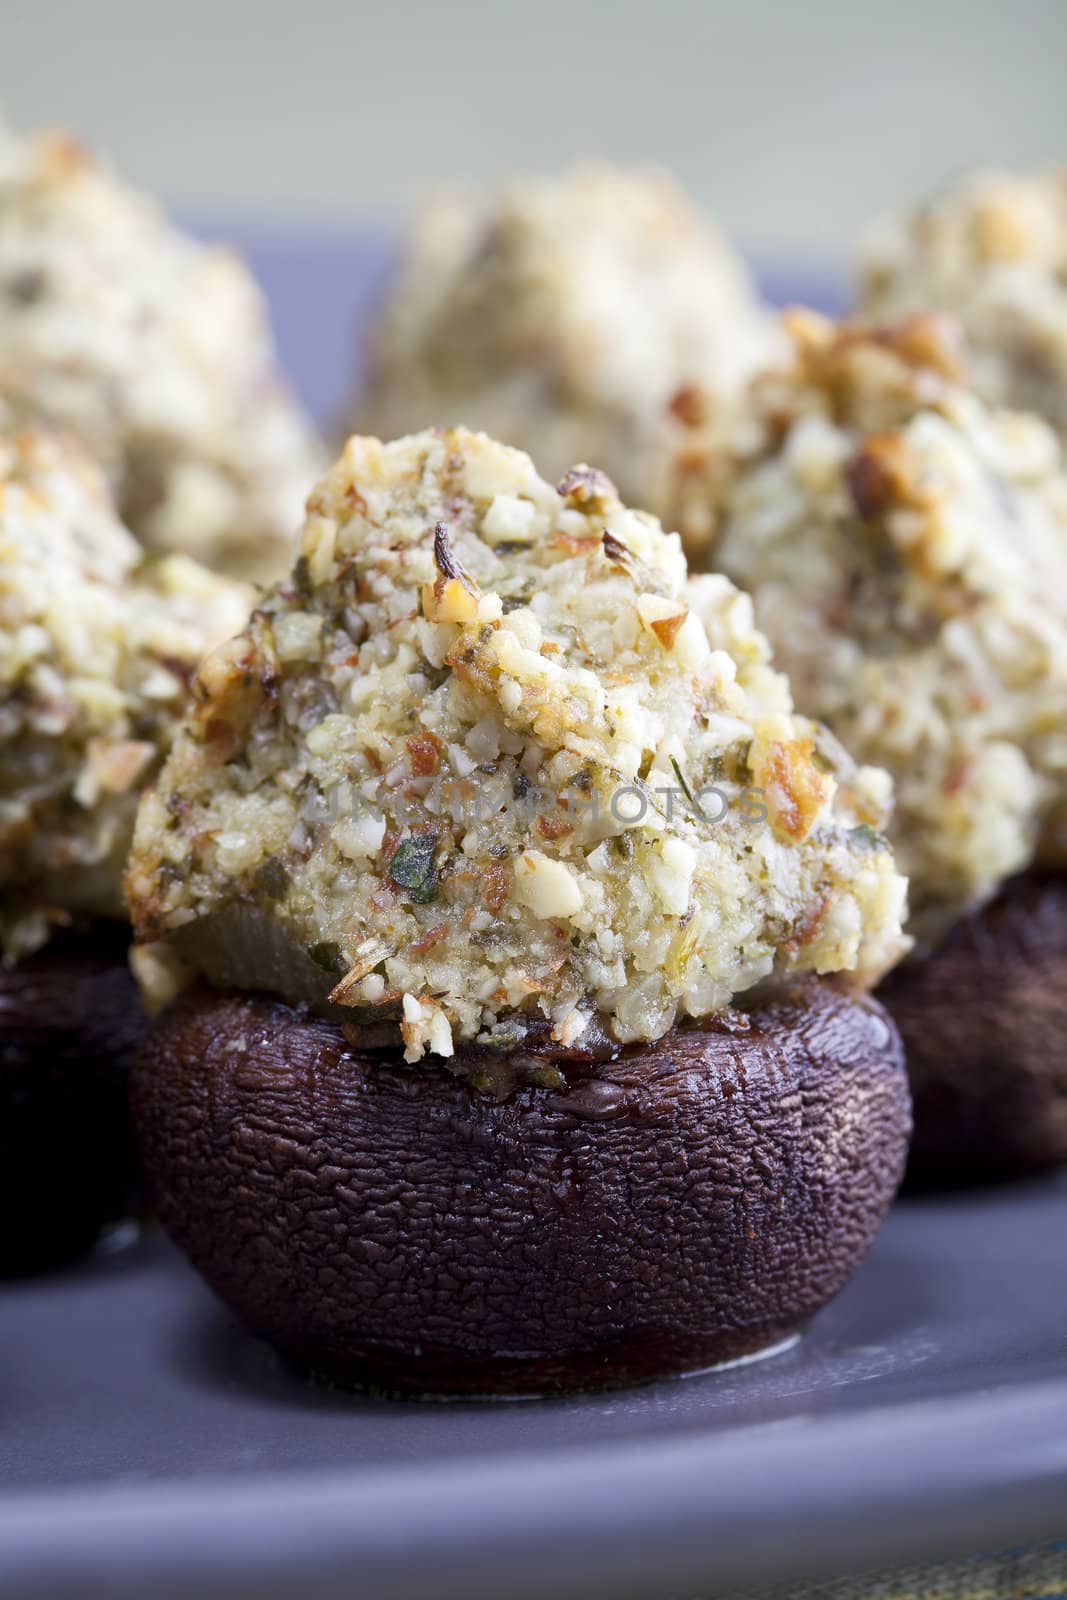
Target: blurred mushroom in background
156, 351
98, 643
577, 317
904, 545
991, 249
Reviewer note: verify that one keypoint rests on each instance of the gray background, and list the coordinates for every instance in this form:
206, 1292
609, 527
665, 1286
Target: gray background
793, 121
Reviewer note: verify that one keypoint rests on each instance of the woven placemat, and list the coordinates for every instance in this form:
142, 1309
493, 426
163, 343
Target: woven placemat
1036, 1574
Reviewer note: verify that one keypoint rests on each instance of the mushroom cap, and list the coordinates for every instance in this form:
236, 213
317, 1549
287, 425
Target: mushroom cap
156, 351
68, 1165
97, 646
984, 1023
489, 756
678, 1206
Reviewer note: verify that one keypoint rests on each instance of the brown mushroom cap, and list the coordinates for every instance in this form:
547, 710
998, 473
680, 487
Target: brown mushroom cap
984, 1023
70, 1023
685, 1204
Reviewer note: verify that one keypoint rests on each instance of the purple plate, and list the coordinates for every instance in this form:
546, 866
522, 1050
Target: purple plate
322, 288
148, 1447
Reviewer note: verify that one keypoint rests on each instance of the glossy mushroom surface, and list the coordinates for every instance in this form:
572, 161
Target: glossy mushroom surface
70, 1023
984, 1023
685, 1204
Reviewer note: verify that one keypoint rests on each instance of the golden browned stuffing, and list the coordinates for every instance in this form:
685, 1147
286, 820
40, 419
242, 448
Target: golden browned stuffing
97, 646
156, 351
489, 754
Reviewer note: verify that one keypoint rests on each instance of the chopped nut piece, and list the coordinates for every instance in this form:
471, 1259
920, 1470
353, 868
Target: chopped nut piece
448, 600
794, 788
366, 957
424, 753
615, 550
663, 618
546, 887
116, 764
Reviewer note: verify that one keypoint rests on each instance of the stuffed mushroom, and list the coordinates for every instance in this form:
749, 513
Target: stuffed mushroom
906, 550
97, 646
992, 250
156, 351
576, 316
511, 936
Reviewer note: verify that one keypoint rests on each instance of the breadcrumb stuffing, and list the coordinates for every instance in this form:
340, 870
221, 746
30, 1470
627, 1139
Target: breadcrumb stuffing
97, 646
455, 781
991, 249
906, 550
569, 316
156, 351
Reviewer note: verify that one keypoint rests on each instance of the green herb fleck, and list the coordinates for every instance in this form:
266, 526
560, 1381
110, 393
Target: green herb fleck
25, 287
271, 879
327, 955
868, 837
413, 867
689, 795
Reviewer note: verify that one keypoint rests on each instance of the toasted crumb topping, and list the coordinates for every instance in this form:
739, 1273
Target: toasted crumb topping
97, 647
489, 756
906, 550
153, 349
991, 249
570, 316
